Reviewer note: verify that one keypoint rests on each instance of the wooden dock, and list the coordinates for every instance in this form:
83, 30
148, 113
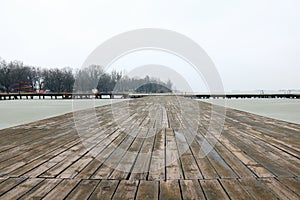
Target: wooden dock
254, 158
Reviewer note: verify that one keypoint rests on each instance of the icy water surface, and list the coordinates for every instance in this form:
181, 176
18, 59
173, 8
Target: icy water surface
282, 109
16, 112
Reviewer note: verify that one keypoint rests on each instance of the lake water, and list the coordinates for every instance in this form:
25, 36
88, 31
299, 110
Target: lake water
16, 112
282, 109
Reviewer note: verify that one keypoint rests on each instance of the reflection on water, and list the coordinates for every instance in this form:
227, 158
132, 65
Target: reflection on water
282, 109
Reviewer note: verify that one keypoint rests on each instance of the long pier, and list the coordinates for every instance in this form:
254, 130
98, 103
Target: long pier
16, 96
110, 95
148, 148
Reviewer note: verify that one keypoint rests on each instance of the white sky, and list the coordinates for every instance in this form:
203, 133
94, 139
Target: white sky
255, 44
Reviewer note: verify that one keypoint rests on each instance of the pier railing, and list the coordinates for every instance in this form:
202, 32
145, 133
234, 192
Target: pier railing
110, 95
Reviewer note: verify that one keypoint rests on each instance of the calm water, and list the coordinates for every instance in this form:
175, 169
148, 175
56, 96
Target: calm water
282, 109
18, 112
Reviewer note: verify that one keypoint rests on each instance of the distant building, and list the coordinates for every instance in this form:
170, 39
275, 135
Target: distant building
153, 88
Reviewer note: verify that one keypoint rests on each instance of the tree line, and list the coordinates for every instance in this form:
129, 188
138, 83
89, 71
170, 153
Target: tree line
17, 77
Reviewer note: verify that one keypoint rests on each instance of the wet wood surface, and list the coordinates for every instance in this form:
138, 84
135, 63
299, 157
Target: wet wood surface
151, 148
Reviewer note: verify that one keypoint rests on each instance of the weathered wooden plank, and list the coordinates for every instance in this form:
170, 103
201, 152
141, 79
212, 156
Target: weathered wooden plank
250, 148
112, 157
105, 148
39, 160
191, 190
279, 189
158, 162
70, 156
205, 166
147, 190
83, 161
31, 151
57, 164
9, 184
292, 183
62, 189
21, 189
54, 159
126, 190
257, 189
173, 164
232, 160
124, 168
222, 168
89, 170
141, 167
213, 190
105, 190
234, 189
3, 179
256, 168
76, 167
170, 190
188, 160
43, 188
262, 144
83, 190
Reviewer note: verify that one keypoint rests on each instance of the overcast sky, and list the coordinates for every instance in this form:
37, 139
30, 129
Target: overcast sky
255, 44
